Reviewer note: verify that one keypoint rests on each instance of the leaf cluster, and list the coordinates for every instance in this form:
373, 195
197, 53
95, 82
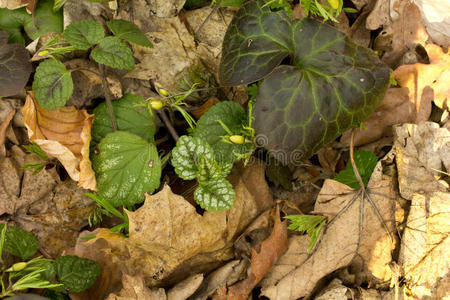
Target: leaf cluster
53, 84
66, 273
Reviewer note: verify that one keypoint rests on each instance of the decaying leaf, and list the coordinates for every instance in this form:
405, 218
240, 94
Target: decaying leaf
64, 133
354, 235
335, 291
397, 108
134, 289
402, 35
169, 240
436, 18
3, 127
422, 79
184, 289
422, 151
173, 47
263, 258
13, 4
379, 15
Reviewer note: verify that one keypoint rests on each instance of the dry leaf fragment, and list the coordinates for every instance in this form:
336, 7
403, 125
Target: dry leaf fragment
353, 232
3, 128
396, 108
134, 289
64, 133
421, 77
186, 288
264, 256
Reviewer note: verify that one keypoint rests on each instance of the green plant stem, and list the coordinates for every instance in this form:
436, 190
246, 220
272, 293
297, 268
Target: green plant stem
107, 97
165, 119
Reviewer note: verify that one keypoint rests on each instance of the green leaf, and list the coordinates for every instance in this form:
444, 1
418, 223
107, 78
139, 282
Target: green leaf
84, 34
130, 116
76, 273
312, 224
58, 4
19, 242
208, 169
365, 162
187, 154
126, 167
15, 68
46, 20
52, 84
209, 129
332, 86
112, 52
215, 195
256, 41
12, 22
129, 32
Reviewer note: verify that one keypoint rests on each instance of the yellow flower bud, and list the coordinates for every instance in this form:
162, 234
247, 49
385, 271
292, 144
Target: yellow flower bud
44, 53
164, 92
237, 139
18, 266
156, 104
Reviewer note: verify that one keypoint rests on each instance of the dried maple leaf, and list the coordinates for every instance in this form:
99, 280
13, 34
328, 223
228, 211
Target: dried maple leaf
354, 233
64, 133
420, 78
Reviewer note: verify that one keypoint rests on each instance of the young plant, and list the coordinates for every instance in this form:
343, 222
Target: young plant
311, 224
365, 162
331, 85
66, 273
37, 151
327, 11
53, 84
105, 208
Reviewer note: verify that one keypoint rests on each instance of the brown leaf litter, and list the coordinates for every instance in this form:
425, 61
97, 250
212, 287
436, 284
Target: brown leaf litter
354, 235
64, 133
169, 240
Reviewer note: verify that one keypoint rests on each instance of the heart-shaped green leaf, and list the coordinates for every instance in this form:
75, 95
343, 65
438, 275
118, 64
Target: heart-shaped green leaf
76, 273
19, 242
256, 41
187, 154
113, 52
233, 116
129, 32
84, 34
126, 166
15, 68
130, 116
52, 84
215, 195
333, 85
45, 20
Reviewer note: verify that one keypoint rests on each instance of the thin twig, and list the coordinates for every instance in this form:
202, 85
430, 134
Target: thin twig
107, 97
168, 124
352, 160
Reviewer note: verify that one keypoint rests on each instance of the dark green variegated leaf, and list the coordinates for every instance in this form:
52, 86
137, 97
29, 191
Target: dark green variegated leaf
209, 129
365, 162
256, 41
208, 169
187, 154
113, 52
84, 34
45, 20
52, 84
215, 195
334, 85
130, 116
15, 68
76, 273
129, 32
19, 242
126, 166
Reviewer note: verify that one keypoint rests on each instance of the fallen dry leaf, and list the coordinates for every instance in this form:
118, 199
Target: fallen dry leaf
64, 133
421, 79
184, 289
3, 127
436, 18
13, 4
354, 233
379, 15
396, 108
134, 289
171, 238
264, 256
335, 291
422, 151
402, 35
